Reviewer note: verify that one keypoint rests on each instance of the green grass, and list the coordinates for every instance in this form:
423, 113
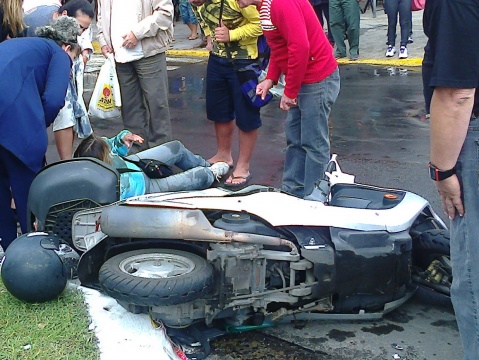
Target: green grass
56, 329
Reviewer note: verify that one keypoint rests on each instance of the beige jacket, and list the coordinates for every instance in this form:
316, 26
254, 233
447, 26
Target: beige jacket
154, 28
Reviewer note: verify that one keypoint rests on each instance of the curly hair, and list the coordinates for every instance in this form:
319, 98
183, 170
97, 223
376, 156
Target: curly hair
12, 16
63, 29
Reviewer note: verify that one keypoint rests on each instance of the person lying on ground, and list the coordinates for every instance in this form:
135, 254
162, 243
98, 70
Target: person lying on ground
197, 173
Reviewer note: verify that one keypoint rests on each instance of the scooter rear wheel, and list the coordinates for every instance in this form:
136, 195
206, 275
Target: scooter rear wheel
156, 277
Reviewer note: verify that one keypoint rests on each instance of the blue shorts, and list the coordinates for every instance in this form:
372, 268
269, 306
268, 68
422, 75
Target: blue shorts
186, 12
224, 99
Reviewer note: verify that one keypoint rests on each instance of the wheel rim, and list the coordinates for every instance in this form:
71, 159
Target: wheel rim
156, 265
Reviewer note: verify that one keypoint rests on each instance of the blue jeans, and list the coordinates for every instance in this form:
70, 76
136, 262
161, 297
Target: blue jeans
465, 246
195, 176
403, 8
307, 135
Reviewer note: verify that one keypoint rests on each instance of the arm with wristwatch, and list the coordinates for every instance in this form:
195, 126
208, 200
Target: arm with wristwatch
451, 111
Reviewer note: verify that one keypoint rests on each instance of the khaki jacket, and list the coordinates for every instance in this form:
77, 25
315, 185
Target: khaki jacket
154, 28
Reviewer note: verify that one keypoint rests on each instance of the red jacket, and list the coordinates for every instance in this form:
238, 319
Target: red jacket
299, 47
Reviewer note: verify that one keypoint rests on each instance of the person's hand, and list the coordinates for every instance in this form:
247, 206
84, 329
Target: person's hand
222, 33
209, 43
85, 56
128, 139
129, 40
287, 103
263, 87
105, 50
450, 192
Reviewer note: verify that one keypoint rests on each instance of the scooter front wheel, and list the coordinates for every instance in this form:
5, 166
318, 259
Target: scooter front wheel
431, 268
156, 277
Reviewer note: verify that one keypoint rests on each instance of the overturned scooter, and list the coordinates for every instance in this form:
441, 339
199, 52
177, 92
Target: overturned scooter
250, 257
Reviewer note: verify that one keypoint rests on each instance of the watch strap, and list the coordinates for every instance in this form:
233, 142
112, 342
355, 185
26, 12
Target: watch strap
438, 174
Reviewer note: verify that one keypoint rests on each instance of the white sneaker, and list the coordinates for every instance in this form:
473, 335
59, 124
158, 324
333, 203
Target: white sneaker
219, 169
390, 51
403, 52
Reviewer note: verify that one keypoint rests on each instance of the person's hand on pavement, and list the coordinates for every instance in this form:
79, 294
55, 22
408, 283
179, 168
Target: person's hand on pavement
129, 40
450, 192
287, 103
263, 87
222, 33
128, 139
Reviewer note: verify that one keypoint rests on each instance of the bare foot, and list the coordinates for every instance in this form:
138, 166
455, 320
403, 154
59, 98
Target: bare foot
217, 158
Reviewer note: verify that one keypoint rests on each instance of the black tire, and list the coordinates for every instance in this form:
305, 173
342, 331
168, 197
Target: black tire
429, 246
139, 278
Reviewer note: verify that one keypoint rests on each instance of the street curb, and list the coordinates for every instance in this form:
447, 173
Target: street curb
203, 53
412, 62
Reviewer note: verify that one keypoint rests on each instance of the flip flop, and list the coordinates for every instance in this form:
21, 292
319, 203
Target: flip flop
240, 185
192, 38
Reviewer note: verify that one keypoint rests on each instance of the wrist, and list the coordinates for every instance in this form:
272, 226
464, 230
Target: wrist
437, 174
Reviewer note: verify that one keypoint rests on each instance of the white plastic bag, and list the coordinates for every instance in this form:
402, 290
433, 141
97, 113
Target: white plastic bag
105, 101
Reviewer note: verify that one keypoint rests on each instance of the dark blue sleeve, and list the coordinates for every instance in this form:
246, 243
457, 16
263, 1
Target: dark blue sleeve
58, 76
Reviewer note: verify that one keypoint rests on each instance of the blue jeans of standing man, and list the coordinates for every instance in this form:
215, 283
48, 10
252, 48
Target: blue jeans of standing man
307, 135
195, 176
403, 8
465, 246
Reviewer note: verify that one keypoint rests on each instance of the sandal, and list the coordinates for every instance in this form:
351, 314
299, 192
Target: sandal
237, 185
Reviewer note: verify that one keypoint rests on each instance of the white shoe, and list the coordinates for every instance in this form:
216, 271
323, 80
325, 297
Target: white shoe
403, 52
390, 51
219, 169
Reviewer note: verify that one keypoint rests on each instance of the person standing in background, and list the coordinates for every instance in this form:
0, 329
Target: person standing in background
11, 19
189, 18
34, 75
300, 51
344, 16
393, 8
451, 88
42, 12
321, 7
138, 33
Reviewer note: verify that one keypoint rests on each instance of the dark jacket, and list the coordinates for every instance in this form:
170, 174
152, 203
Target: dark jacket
34, 75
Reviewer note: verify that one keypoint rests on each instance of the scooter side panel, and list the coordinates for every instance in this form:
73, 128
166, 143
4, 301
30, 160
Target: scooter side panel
280, 209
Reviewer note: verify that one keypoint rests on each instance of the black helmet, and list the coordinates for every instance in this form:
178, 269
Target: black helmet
32, 270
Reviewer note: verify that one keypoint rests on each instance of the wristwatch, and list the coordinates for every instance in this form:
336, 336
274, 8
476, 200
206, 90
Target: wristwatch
439, 175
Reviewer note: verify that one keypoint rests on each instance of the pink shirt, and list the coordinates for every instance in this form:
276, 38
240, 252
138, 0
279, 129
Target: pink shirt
299, 47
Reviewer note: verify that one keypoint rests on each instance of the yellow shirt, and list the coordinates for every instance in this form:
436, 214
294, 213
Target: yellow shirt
243, 24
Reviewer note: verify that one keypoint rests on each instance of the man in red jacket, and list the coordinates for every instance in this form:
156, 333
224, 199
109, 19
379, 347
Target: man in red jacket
301, 51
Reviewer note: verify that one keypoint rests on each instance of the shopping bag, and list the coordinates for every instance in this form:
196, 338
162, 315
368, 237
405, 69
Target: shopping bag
105, 101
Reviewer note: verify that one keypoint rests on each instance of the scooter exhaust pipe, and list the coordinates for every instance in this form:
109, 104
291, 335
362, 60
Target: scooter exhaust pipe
172, 223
